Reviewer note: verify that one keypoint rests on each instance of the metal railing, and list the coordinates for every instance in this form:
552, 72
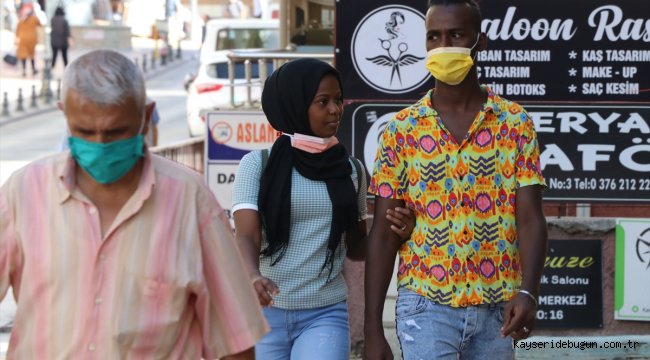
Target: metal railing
276, 57
188, 152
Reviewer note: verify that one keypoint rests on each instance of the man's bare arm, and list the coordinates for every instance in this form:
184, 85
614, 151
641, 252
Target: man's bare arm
383, 245
532, 235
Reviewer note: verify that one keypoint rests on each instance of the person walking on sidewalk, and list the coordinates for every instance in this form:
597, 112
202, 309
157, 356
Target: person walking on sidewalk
300, 213
114, 252
467, 161
26, 37
60, 36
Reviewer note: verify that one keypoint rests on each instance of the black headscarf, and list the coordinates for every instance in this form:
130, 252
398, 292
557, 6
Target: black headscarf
286, 98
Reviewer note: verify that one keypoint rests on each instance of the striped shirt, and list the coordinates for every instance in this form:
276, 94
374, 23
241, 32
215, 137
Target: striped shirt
165, 282
298, 273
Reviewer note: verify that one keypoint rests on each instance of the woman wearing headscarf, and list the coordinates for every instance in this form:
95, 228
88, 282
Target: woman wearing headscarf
60, 36
298, 216
26, 37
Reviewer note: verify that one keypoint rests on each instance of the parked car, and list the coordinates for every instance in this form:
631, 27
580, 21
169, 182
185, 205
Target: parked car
209, 89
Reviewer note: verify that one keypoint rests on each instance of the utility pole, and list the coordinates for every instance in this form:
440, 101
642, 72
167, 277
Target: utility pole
2, 27
195, 22
48, 8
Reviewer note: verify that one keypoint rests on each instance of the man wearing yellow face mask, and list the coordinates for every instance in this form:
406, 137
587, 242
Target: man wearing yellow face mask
467, 161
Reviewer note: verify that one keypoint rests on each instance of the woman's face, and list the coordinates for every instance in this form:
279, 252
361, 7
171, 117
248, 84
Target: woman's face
326, 108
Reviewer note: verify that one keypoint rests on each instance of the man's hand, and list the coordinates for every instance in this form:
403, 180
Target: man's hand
377, 348
519, 317
248, 354
265, 289
402, 221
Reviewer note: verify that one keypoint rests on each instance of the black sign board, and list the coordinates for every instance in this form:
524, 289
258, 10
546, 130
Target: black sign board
583, 74
362, 125
380, 49
588, 152
594, 152
590, 51
571, 294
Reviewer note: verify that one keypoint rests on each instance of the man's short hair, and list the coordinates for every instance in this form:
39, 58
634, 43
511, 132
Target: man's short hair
476, 10
105, 77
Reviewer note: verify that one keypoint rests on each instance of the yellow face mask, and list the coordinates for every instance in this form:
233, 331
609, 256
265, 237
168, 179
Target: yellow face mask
450, 64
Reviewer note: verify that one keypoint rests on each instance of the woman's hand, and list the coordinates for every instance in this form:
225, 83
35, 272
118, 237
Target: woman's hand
402, 221
265, 289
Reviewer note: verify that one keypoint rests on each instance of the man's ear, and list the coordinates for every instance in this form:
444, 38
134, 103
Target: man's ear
60, 106
482, 42
148, 110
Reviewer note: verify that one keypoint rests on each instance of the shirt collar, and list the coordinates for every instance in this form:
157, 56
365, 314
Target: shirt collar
423, 107
65, 168
492, 102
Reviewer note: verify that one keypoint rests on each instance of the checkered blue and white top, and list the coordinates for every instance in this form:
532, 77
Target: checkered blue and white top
298, 274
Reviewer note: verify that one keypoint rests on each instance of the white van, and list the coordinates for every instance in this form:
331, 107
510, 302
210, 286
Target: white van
210, 88
228, 34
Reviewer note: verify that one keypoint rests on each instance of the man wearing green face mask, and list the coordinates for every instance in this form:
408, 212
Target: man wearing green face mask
130, 253
467, 161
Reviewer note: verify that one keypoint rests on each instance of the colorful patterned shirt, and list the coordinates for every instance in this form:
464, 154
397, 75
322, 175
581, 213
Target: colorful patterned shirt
464, 249
166, 281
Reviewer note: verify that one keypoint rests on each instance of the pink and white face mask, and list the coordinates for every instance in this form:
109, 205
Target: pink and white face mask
312, 144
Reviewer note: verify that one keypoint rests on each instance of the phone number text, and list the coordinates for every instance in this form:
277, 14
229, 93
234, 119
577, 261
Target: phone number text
587, 183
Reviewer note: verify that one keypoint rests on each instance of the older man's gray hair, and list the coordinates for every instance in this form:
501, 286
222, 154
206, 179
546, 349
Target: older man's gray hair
104, 77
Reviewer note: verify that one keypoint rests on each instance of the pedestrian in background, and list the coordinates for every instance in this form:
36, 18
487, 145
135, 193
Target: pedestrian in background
114, 252
236, 9
60, 37
204, 28
301, 212
26, 37
469, 277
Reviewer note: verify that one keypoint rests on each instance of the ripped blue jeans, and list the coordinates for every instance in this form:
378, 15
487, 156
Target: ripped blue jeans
427, 330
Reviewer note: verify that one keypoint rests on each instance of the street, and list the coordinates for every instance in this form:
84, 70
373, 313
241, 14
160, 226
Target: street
31, 138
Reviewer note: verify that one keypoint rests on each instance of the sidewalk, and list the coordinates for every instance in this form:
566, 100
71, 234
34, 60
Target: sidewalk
11, 79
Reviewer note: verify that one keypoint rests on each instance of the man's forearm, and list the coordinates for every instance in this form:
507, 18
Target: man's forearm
380, 261
532, 235
532, 243
383, 245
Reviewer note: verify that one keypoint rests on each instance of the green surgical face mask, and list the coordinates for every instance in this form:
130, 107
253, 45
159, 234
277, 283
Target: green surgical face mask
107, 162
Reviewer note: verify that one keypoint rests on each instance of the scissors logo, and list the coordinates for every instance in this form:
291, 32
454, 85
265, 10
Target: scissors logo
393, 60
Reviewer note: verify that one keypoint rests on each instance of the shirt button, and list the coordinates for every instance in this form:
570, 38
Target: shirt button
102, 257
91, 346
98, 301
92, 211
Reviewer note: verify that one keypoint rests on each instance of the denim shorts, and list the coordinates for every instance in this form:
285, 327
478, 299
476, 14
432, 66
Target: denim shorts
427, 330
314, 334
